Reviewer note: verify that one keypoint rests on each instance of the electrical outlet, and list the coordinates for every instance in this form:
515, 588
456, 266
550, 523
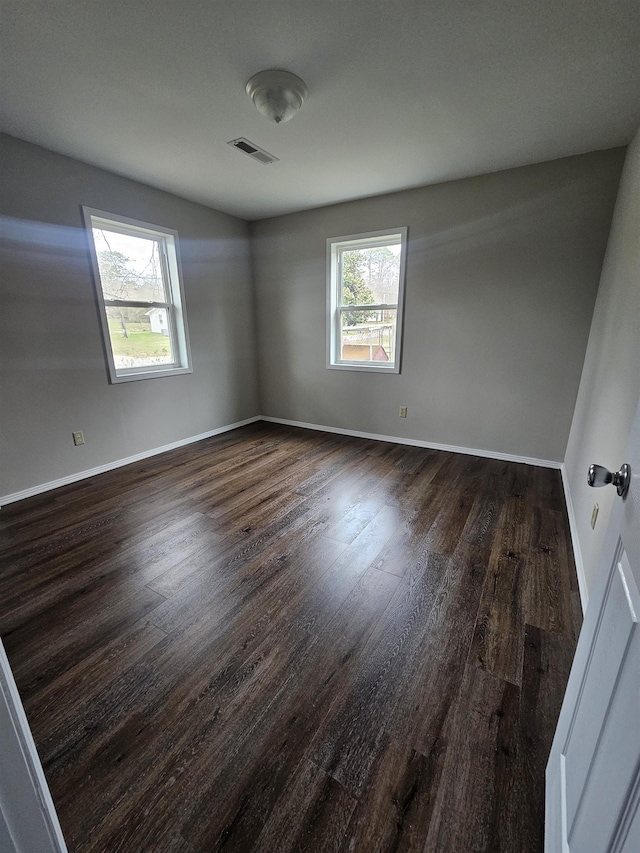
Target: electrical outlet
594, 515
78, 438
403, 411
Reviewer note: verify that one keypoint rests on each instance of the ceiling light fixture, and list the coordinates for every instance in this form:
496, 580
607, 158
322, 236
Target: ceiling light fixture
277, 94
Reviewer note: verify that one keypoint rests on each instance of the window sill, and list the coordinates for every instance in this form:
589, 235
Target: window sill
367, 368
149, 374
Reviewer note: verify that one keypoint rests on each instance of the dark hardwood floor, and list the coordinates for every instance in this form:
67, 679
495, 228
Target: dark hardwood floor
280, 640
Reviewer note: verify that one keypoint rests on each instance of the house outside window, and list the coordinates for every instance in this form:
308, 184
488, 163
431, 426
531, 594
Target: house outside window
136, 270
159, 321
365, 292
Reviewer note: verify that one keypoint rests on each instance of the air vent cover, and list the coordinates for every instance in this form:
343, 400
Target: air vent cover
254, 151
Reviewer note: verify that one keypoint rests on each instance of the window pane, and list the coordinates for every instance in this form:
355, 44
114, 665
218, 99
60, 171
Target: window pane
370, 275
139, 337
368, 336
130, 266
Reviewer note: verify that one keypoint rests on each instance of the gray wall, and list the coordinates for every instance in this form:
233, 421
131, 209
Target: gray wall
610, 384
53, 375
502, 275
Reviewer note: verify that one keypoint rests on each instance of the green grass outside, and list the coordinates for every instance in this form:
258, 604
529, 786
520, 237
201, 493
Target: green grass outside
141, 340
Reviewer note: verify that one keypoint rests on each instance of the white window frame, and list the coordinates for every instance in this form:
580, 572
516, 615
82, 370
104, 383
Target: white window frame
172, 273
335, 247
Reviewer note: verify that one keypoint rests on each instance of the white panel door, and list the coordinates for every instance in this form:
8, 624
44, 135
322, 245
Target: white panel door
593, 774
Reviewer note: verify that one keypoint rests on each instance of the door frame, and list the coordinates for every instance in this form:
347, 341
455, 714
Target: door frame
27, 814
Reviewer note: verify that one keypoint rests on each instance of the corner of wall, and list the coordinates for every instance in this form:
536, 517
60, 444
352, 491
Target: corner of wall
254, 301
575, 540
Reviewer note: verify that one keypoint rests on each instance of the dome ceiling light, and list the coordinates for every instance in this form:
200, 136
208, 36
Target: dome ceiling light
277, 94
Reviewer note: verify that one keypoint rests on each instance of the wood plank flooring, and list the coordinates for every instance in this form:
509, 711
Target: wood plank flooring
279, 640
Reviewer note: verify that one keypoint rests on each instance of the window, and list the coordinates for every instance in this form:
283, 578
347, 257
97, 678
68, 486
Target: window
365, 288
139, 290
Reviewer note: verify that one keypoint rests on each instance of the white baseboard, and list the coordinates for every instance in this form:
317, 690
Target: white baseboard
137, 457
573, 527
118, 463
414, 442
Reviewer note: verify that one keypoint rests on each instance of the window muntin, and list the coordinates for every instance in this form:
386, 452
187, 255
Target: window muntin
365, 294
139, 289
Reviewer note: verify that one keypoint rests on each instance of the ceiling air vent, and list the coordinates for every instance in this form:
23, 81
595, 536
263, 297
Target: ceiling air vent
254, 151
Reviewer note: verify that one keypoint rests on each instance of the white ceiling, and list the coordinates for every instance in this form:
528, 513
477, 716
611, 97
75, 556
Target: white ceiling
401, 93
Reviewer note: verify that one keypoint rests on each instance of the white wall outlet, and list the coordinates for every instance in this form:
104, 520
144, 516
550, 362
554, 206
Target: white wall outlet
594, 515
403, 411
78, 438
